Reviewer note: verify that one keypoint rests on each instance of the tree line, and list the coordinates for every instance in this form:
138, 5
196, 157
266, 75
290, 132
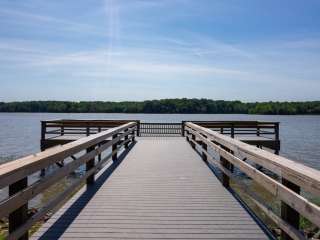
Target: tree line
182, 105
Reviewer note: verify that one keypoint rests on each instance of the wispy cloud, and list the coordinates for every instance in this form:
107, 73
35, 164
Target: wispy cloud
158, 45
26, 18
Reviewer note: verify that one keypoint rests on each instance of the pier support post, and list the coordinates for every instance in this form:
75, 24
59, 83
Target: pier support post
114, 148
20, 215
89, 166
288, 214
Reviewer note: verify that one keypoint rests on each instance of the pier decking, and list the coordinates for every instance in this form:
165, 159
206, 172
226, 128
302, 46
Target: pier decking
163, 187
161, 190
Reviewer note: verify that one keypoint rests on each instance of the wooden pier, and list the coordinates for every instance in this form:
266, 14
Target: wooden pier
157, 181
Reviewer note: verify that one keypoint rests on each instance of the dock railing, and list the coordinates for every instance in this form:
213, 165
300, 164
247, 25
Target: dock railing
160, 129
54, 128
293, 176
14, 175
238, 128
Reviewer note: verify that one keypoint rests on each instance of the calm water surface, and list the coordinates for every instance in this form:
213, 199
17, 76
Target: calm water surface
300, 141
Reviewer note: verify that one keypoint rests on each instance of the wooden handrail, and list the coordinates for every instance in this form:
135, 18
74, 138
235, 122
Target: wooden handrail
233, 151
298, 173
12, 173
79, 127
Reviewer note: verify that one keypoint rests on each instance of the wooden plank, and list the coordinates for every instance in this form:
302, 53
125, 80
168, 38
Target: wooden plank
162, 190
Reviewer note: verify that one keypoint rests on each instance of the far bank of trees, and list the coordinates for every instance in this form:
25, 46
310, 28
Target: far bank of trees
165, 106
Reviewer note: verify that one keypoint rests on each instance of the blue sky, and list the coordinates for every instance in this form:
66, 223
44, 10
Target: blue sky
249, 50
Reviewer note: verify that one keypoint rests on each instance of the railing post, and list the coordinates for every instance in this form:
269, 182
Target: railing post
89, 166
225, 178
135, 131
138, 128
62, 131
288, 214
114, 148
225, 163
99, 156
193, 137
182, 128
276, 130
43, 130
232, 130
20, 215
126, 145
205, 148
188, 139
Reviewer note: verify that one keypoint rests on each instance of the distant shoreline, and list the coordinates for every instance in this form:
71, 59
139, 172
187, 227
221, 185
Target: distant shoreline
165, 106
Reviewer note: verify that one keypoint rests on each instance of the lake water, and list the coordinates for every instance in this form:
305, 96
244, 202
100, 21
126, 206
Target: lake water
300, 141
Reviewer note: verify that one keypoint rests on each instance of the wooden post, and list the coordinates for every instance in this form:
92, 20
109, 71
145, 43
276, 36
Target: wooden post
288, 214
224, 162
43, 130
135, 131
89, 166
62, 131
276, 130
182, 128
187, 135
205, 147
114, 147
138, 128
126, 145
99, 156
20, 215
43, 170
232, 130
193, 137
225, 178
